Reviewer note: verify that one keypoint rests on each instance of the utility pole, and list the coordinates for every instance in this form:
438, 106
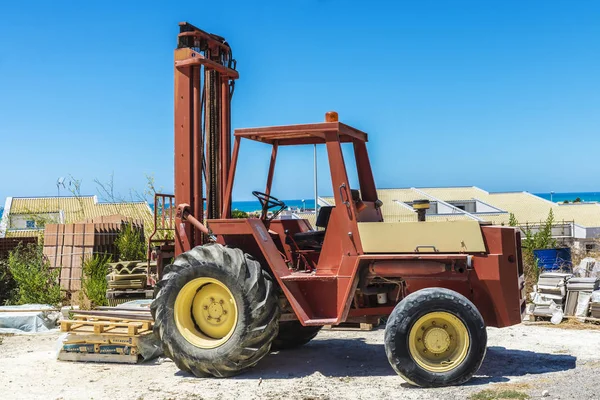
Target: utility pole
316, 193
60, 182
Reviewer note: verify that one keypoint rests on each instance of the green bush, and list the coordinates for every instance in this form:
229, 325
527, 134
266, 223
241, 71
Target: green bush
130, 244
239, 214
7, 283
542, 239
94, 282
36, 282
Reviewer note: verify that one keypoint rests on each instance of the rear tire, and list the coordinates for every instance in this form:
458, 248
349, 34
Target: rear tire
293, 334
253, 302
435, 337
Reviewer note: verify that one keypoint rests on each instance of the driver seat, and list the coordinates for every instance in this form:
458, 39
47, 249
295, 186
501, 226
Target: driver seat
313, 240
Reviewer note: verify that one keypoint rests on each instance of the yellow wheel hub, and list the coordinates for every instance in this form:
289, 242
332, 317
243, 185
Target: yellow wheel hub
438, 342
205, 312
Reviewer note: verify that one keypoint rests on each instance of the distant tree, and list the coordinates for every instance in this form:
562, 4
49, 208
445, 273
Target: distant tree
542, 239
512, 220
239, 214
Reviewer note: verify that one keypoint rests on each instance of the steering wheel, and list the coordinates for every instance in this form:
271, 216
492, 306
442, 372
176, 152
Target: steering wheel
268, 202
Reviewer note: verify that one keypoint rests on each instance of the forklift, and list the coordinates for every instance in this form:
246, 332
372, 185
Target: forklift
238, 288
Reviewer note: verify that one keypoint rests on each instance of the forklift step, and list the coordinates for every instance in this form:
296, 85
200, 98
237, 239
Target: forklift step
303, 276
321, 321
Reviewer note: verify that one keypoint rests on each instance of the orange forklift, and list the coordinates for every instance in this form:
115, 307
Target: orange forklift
238, 288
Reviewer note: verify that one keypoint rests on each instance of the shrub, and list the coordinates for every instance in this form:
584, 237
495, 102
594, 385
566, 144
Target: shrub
239, 214
130, 244
542, 239
36, 282
7, 283
94, 282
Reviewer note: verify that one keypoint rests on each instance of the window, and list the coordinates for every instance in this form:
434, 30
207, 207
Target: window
460, 207
30, 224
589, 247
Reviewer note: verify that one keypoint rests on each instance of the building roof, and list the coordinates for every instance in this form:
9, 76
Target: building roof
526, 207
73, 209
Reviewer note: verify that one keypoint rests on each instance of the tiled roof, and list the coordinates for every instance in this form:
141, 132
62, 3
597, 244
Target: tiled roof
77, 209
23, 233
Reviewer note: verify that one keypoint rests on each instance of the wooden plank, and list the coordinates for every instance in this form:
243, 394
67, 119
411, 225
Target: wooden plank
112, 315
350, 327
109, 308
21, 311
104, 323
93, 357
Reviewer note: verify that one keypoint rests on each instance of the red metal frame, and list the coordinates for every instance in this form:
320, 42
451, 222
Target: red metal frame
326, 295
327, 290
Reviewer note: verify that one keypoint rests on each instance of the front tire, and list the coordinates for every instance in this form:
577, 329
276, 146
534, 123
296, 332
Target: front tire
215, 311
435, 337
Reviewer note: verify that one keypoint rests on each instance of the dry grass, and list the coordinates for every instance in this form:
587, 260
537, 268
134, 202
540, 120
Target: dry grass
503, 391
489, 394
569, 324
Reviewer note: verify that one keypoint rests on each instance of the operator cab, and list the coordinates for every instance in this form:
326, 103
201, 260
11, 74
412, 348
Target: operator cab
302, 246
313, 240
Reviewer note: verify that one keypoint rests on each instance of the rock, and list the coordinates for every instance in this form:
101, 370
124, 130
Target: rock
545, 393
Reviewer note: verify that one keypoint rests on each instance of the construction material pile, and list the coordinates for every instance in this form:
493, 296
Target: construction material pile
550, 293
108, 334
559, 294
128, 281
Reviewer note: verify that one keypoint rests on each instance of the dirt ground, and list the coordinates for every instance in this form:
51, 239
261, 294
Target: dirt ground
337, 364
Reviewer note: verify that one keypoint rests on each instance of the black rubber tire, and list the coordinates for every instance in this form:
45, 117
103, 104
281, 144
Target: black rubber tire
293, 334
255, 297
408, 311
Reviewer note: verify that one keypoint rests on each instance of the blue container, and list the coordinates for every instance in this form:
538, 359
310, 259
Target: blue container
554, 259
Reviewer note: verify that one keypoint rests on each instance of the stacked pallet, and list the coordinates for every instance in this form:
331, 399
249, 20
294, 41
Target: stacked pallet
579, 292
128, 281
550, 288
107, 335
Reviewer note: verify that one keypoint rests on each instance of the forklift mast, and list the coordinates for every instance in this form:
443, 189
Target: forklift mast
205, 76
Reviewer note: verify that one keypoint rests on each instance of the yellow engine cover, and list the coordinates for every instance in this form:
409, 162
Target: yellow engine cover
421, 237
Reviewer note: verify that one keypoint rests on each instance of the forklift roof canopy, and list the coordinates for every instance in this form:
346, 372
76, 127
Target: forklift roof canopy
303, 134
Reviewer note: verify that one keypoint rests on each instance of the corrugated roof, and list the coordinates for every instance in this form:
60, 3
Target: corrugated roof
76, 209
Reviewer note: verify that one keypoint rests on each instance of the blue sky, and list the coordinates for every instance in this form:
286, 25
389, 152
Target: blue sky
498, 94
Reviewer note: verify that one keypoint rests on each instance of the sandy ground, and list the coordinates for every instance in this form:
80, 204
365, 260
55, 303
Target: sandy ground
337, 364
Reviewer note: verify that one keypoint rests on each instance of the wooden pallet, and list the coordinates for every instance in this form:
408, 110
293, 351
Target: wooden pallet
113, 325
103, 339
109, 335
351, 326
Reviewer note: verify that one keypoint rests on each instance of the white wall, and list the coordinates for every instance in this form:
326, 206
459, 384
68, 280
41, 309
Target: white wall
483, 207
19, 221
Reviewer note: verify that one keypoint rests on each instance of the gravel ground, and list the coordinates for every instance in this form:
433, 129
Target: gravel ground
337, 364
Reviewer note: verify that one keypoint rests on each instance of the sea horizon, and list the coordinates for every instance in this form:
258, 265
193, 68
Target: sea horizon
560, 197
309, 204
556, 197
